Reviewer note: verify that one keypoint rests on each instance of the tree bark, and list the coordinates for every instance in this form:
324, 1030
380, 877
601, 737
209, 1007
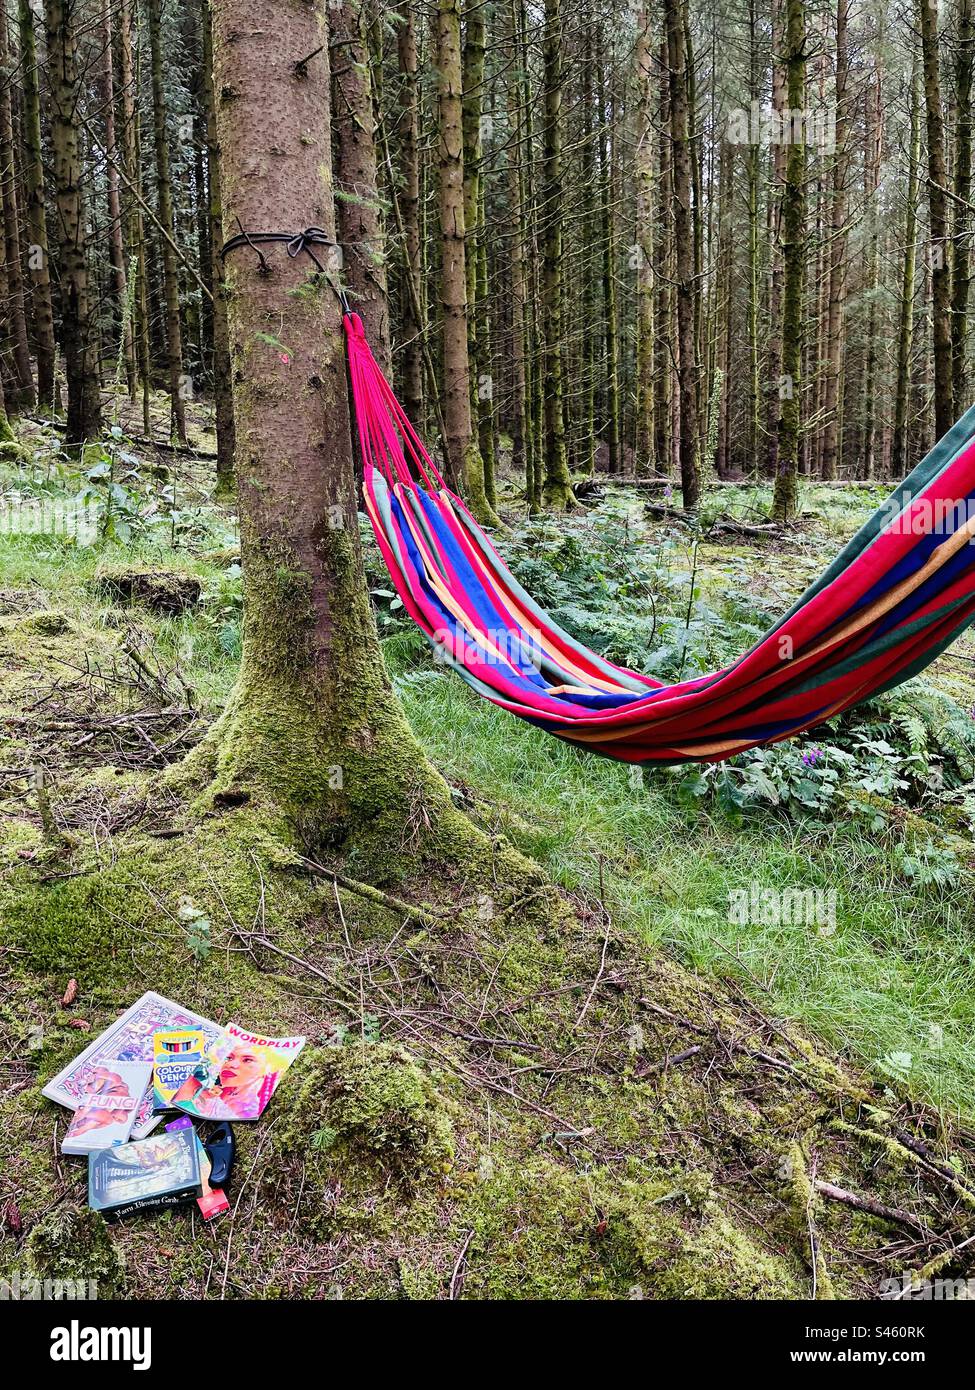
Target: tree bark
78, 333
463, 453
360, 227
38, 262
837, 249
557, 486
14, 309
961, 272
222, 368
905, 335
684, 254
115, 235
644, 170
785, 499
938, 220
164, 193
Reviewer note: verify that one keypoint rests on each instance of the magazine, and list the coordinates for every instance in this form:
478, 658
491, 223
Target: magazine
239, 1076
128, 1039
106, 1111
177, 1053
163, 1171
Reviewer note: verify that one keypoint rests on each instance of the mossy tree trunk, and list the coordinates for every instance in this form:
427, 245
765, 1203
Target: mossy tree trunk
785, 498
938, 222
836, 292
164, 195
515, 157
684, 252
360, 228
39, 261
312, 732
961, 273
78, 330
663, 277
222, 371
905, 333
113, 198
463, 452
643, 60
557, 487
134, 221
14, 308
608, 220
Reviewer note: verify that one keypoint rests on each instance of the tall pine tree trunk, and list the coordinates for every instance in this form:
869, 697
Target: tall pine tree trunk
905, 334
38, 261
837, 249
14, 309
463, 453
938, 219
961, 273
222, 369
360, 228
78, 331
785, 499
684, 253
644, 170
313, 740
164, 193
557, 488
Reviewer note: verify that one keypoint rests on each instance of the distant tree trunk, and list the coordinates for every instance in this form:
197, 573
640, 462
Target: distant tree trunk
874, 154
78, 336
13, 310
38, 262
684, 253
472, 80
135, 223
644, 242
752, 172
223, 397
837, 249
725, 278
905, 334
164, 193
463, 453
938, 220
360, 225
612, 421
116, 246
557, 490
408, 130
662, 276
961, 273
778, 163
516, 226
785, 499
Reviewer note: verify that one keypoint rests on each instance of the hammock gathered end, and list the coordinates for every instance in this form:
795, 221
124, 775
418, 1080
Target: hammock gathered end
897, 594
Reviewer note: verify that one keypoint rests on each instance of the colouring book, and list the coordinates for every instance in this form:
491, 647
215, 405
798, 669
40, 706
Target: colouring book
240, 1075
128, 1039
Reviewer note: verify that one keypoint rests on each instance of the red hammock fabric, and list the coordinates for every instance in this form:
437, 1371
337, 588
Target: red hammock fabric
894, 598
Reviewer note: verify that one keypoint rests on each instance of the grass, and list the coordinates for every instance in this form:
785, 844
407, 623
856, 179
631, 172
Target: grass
894, 980
892, 985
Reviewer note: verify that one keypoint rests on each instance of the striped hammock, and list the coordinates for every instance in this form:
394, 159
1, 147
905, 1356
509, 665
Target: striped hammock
897, 594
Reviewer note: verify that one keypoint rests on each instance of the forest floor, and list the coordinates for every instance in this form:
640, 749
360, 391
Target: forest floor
616, 1089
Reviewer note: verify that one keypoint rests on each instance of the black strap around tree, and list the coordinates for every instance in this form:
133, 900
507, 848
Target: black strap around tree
296, 243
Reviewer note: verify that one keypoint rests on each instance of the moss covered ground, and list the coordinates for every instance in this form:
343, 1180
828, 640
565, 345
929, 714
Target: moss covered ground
524, 1077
